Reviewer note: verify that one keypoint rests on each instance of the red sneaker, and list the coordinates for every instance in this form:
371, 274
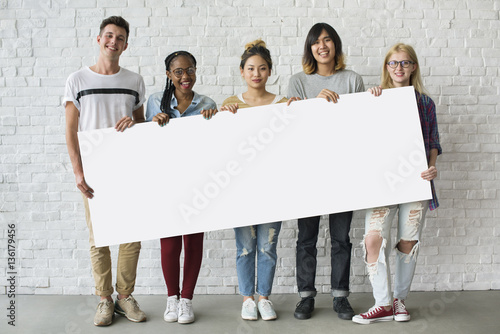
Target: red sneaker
375, 314
400, 312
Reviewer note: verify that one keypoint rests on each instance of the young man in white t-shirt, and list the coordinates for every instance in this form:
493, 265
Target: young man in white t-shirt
100, 96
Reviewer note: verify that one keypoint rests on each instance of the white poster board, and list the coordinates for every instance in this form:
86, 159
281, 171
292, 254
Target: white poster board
263, 164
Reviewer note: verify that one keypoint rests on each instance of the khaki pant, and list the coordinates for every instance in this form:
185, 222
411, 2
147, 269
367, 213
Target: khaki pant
128, 256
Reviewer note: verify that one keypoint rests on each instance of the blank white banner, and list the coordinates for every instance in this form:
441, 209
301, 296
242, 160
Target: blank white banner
263, 164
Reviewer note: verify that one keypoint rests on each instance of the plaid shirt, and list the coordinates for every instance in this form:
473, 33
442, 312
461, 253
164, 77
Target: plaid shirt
428, 121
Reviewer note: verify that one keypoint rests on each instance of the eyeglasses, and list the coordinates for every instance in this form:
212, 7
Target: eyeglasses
178, 72
404, 63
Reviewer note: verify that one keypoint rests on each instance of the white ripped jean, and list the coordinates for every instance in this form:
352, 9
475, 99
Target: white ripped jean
378, 221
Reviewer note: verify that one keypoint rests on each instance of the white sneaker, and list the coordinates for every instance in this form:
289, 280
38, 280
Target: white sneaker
266, 310
186, 314
249, 310
170, 314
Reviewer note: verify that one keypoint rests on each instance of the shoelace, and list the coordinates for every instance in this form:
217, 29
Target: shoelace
171, 305
373, 310
249, 306
400, 306
302, 302
266, 305
101, 307
343, 303
183, 307
132, 301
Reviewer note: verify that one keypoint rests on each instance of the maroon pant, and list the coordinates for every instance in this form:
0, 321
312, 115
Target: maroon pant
170, 256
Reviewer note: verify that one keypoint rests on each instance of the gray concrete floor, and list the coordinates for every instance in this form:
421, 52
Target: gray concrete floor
432, 312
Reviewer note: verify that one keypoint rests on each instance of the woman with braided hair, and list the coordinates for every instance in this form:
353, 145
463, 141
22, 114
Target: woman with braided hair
179, 100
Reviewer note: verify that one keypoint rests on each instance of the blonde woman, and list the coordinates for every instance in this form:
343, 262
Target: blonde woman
401, 69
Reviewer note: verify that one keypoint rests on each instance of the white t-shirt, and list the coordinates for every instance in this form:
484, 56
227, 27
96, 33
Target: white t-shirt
103, 100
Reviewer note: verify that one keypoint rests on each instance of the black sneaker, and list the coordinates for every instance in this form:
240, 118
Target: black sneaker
304, 308
343, 308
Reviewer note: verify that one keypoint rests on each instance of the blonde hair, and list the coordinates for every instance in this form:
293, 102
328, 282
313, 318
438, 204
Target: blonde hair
256, 48
257, 42
415, 78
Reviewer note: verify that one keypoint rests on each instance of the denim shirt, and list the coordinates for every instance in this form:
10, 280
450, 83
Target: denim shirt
199, 103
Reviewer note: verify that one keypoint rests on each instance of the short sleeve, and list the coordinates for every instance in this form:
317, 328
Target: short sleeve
70, 92
360, 86
295, 88
142, 92
153, 106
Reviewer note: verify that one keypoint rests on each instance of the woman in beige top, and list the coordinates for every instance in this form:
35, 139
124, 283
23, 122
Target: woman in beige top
256, 240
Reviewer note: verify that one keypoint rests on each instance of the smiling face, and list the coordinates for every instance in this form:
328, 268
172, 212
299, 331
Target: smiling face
112, 41
400, 76
256, 72
323, 49
183, 84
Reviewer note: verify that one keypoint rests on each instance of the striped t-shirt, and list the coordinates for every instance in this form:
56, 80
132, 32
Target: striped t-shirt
102, 100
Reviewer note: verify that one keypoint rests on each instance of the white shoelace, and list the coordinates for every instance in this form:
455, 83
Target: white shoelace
249, 304
183, 307
373, 310
266, 305
172, 305
400, 306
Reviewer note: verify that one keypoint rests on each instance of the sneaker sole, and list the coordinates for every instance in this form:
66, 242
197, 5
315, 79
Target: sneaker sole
402, 318
104, 325
170, 320
302, 316
129, 318
185, 321
249, 318
370, 321
345, 316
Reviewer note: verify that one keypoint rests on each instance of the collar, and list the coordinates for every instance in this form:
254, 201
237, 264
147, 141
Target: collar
196, 100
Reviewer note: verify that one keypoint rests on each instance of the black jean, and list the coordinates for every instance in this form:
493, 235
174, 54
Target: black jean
340, 224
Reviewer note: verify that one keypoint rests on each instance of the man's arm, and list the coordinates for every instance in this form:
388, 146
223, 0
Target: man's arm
138, 115
74, 149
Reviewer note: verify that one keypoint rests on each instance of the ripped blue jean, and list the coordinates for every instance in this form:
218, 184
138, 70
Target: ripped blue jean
378, 221
256, 241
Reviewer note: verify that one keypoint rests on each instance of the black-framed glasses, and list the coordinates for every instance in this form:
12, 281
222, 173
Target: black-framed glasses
404, 63
178, 72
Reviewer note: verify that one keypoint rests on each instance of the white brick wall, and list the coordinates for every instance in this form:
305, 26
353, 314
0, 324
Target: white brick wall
42, 42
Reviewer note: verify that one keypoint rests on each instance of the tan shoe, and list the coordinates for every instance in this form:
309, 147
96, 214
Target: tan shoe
104, 313
129, 308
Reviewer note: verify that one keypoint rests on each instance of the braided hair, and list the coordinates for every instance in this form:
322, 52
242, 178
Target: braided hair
169, 88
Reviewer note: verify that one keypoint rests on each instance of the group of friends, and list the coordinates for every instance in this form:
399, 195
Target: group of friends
107, 95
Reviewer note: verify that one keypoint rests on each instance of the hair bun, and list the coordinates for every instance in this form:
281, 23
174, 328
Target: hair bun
256, 43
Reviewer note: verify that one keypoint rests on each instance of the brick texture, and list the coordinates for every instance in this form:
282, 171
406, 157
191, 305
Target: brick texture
42, 42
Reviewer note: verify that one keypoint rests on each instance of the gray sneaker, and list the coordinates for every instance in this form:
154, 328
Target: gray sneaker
104, 313
129, 308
